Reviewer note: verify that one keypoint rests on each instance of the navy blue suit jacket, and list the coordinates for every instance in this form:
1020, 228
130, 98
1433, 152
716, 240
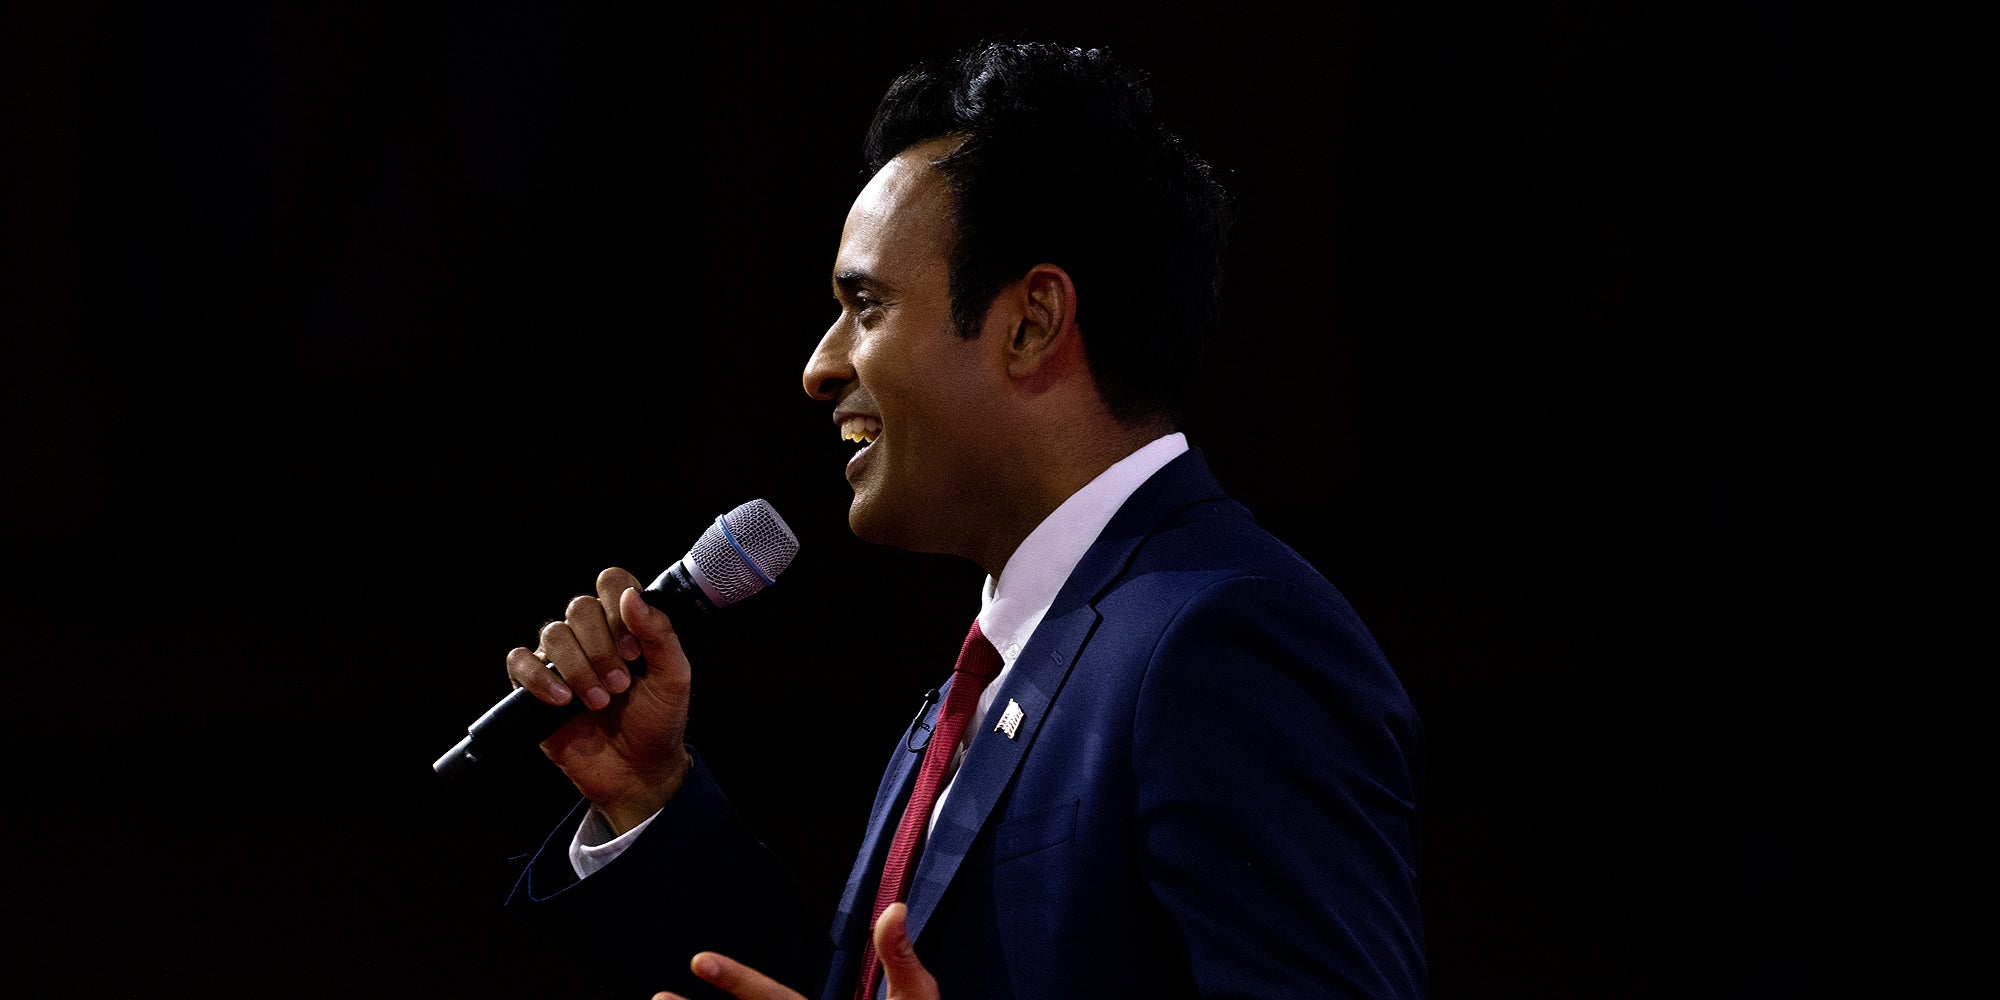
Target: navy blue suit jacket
1212, 791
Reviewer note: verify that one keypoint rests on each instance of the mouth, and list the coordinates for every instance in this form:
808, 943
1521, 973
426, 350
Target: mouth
860, 429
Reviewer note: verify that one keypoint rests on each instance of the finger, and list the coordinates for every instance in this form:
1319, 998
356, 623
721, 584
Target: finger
611, 584
589, 622
665, 995
567, 656
907, 977
531, 670
652, 627
739, 980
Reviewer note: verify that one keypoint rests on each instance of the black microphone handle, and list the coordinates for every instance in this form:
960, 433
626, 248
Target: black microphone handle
522, 720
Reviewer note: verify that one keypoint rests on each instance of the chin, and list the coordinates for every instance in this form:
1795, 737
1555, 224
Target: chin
866, 522
877, 523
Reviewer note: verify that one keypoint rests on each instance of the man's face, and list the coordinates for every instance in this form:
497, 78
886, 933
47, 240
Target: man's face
904, 384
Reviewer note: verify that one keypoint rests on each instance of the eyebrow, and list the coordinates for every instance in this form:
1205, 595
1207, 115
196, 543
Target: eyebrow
850, 281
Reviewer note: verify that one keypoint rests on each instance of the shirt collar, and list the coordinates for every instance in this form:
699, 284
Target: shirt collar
1038, 568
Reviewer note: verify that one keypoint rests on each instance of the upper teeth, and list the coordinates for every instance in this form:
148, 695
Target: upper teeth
862, 429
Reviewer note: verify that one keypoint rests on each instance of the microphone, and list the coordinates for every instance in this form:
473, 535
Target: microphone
740, 554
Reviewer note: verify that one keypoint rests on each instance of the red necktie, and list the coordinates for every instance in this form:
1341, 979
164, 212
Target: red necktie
978, 662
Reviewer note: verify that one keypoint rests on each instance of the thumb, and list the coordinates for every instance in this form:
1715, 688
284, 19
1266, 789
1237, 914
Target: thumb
907, 977
648, 624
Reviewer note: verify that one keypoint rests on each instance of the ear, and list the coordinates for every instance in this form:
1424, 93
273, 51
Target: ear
1044, 321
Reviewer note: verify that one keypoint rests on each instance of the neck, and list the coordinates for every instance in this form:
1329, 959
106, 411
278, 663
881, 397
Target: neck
1066, 459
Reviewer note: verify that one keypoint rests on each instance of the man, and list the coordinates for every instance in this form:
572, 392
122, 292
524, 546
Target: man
1194, 775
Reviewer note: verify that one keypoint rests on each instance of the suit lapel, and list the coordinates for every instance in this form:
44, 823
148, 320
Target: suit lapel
857, 901
1038, 676
1032, 683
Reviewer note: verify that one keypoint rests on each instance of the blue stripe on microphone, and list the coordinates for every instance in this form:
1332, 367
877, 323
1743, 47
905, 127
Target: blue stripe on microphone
747, 561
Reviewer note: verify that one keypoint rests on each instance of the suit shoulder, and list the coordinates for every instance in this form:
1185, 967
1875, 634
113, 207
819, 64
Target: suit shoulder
1220, 539
1213, 555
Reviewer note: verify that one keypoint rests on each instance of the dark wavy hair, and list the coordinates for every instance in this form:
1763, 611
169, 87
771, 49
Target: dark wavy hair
1063, 161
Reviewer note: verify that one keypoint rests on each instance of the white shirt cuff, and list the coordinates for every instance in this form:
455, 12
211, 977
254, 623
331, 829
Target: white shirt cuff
593, 847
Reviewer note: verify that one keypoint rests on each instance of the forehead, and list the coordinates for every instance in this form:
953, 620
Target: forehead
901, 219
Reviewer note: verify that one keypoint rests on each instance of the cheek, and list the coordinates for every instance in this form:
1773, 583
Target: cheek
901, 382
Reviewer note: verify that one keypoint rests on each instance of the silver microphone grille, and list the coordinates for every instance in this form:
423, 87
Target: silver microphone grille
743, 552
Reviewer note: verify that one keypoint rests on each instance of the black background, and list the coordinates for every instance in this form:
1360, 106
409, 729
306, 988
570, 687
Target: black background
346, 341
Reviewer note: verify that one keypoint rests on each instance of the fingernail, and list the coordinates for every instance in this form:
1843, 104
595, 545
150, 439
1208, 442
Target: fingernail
617, 680
561, 693
596, 698
705, 965
629, 648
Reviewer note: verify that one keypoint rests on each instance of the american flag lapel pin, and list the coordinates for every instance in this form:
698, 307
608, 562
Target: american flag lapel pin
1010, 720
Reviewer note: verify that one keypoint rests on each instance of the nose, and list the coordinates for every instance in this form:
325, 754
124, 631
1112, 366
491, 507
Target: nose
828, 369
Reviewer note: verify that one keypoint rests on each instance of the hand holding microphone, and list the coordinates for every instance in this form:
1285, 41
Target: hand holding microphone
611, 646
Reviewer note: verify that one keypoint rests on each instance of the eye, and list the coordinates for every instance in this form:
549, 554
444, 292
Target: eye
866, 307
857, 301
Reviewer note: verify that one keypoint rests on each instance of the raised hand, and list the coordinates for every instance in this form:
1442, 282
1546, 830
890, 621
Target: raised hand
907, 979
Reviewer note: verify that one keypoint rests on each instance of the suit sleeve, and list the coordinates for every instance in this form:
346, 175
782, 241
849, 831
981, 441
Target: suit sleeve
1279, 768
696, 879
